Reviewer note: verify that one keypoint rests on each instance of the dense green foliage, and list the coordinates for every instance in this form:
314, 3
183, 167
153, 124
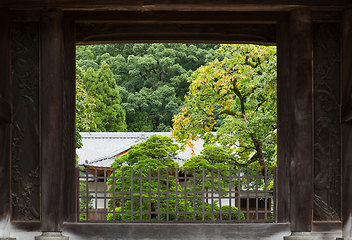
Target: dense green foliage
230, 89
212, 161
85, 121
151, 78
154, 158
109, 115
85, 108
151, 157
236, 97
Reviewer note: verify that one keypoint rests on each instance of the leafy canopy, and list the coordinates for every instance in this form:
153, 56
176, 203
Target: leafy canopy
151, 158
236, 97
151, 78
109, 115
85, 108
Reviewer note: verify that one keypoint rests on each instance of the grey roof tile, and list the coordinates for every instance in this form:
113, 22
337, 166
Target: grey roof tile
100, 148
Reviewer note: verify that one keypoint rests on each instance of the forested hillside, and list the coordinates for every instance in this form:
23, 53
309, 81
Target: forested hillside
195, 89
150, 82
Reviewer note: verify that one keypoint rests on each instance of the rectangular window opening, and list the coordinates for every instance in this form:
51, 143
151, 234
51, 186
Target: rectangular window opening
128, 93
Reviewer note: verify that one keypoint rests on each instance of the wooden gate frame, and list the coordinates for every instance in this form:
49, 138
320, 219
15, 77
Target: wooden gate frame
294, 43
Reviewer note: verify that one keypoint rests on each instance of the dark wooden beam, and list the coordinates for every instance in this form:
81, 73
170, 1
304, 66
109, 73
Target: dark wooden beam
176, 17
346, 126
112, 231
5, 129
284, 132
69, 129
51, 128
92, 33
327, 16
26, 226
301, 77
346, 111
181, 5
5, 111
327, 226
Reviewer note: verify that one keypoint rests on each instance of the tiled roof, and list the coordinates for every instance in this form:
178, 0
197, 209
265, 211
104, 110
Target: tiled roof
100, 148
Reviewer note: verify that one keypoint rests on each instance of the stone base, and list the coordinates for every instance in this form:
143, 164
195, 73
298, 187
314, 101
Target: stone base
51, 236
343, 238
2, 238
301, 236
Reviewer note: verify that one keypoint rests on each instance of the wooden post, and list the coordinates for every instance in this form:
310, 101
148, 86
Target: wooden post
5, 126
51, 119
346, 127
70, 188
301, 77
284, 132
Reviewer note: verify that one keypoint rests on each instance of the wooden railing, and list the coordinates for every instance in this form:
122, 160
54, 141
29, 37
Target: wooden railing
160, 195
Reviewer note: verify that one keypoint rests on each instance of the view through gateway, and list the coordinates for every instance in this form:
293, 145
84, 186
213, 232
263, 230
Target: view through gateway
224, 95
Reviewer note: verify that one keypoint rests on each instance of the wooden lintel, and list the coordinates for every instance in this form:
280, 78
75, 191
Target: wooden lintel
100, 170
327, 16
346, 111
173, 17
5, 111
180, 5
92, 33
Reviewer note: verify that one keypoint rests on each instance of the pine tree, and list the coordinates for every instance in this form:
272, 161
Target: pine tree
110, 116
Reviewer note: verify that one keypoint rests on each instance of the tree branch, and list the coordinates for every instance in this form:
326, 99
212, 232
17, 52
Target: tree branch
251, 64
239, 95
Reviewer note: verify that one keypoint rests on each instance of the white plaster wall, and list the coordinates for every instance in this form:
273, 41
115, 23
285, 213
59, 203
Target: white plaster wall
98, 200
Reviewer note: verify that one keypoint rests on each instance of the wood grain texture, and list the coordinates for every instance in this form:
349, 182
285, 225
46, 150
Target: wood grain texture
346, 111
5, 128
284, 122
69, 129
212, 5
5, 111
51, 131
327, 135
346, 127
91, 33
327, 16
175, 231
26, 226
176, 17
301, 181
25, 170
327, 226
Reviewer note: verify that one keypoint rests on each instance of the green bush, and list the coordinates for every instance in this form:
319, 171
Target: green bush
234, 213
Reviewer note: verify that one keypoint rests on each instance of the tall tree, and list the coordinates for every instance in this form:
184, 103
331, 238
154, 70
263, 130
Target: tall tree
85, 107
141, 69
235, 97
152, 110
110, 116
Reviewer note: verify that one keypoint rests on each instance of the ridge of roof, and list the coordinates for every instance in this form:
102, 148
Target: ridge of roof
139, 136
108, 135
131, 138
115, 152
